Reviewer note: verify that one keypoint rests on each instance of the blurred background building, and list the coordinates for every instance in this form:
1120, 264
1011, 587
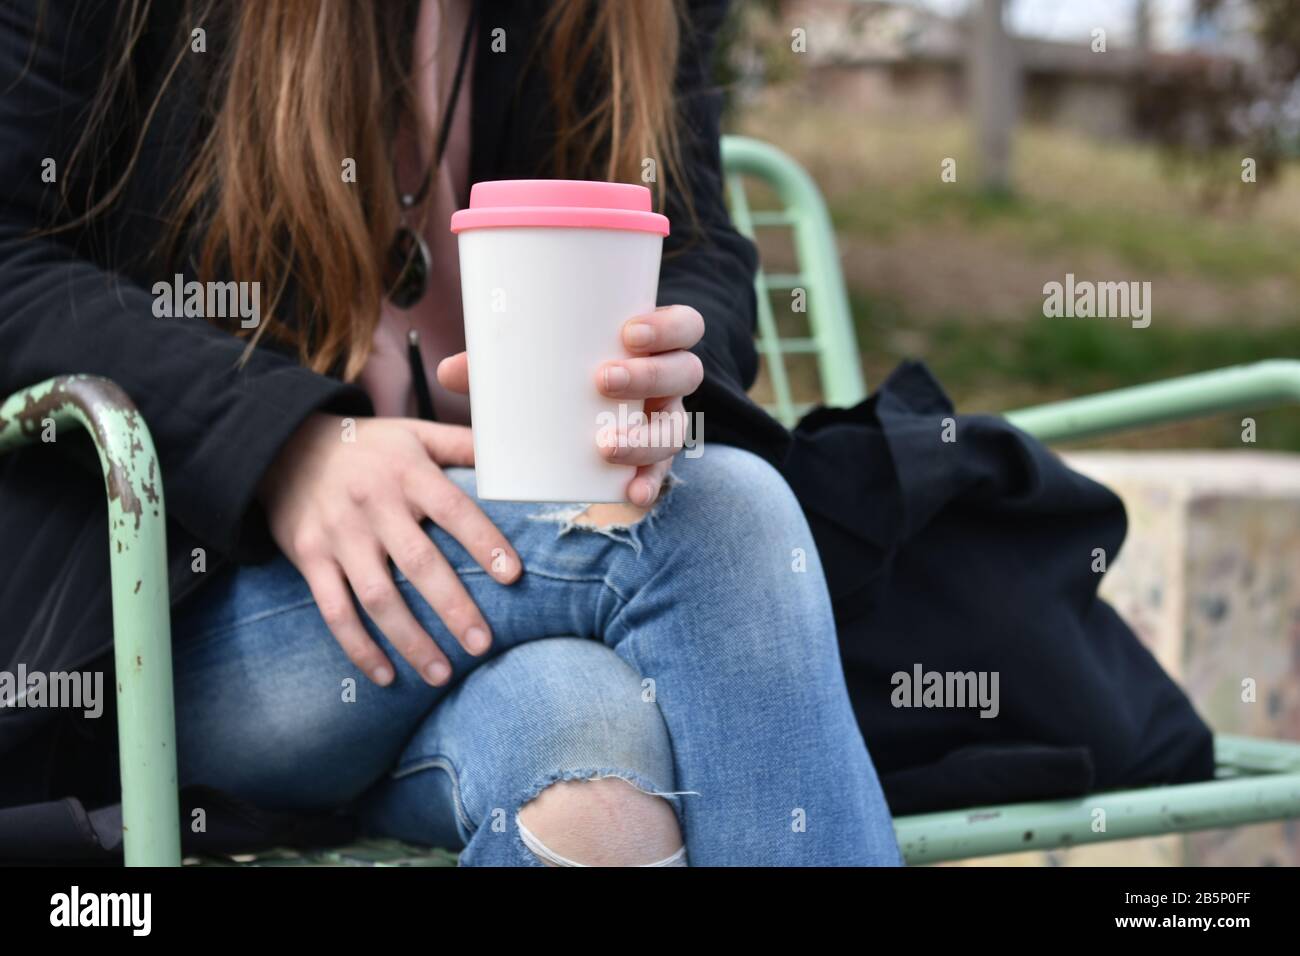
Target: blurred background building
910, 60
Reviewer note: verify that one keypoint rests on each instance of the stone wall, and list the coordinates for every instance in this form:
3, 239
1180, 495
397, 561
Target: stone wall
1209, 578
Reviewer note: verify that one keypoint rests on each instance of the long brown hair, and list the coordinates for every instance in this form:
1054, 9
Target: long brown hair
306, 83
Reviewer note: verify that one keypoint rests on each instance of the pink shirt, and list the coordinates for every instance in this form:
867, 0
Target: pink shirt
437, 316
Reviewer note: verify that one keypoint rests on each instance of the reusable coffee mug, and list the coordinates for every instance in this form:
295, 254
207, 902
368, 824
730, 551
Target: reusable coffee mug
550, 271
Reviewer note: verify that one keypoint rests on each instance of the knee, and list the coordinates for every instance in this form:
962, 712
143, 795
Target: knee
744, 497
739, 519
603, 821
745, 538
588, 755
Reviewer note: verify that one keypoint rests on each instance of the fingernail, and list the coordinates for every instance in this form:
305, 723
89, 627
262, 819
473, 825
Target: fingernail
643, 492
437, 673
477, 640
616, 378
382, 675
638, 335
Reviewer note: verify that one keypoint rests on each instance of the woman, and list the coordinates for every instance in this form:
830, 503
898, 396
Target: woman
341, 599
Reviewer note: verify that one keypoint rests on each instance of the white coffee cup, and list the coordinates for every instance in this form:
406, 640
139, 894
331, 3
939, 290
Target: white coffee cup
550, 271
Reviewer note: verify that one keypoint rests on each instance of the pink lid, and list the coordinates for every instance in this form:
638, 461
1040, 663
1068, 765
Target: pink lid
559, 202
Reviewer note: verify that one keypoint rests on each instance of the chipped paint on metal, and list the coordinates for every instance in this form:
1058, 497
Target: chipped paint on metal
105, 410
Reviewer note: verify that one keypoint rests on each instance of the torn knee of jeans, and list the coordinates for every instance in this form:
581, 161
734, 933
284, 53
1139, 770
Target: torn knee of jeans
614, 520
601, 819
611, 517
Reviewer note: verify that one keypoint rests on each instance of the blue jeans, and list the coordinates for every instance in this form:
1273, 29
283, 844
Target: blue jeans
692, 653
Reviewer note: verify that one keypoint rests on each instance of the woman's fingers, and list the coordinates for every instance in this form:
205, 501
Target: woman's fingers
666, 329
427, 569
658, 435
644, 488
447, 445
435, 495
374, 587
453, 373
661, 372
334, 601
654, 376
340, 513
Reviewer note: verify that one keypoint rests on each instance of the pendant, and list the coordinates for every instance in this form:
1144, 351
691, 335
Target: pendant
407, 272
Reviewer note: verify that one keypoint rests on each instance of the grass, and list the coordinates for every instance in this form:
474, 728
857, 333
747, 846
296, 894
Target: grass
1226, 251
995, 366
954, 276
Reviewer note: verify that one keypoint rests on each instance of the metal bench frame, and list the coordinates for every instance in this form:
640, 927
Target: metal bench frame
1257, 780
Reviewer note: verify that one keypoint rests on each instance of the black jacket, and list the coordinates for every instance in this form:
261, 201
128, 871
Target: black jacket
79, 302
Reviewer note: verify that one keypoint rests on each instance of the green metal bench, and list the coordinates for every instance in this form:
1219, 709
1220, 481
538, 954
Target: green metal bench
1257, 780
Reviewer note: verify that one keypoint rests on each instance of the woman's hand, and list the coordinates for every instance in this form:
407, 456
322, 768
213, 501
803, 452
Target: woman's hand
340, 509
661, 371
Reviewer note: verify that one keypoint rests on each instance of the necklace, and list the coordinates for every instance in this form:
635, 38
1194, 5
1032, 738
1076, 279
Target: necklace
406, 276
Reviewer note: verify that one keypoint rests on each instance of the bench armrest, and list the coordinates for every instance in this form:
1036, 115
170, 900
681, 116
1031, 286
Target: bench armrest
1189, 396
141, 609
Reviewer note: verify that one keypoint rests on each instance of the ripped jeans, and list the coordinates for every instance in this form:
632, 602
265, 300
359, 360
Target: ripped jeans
692, 654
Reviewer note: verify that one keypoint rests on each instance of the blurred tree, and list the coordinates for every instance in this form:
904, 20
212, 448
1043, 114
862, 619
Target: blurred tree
1277, 29
1142, 25
1210, 112
993, 84
752, 49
